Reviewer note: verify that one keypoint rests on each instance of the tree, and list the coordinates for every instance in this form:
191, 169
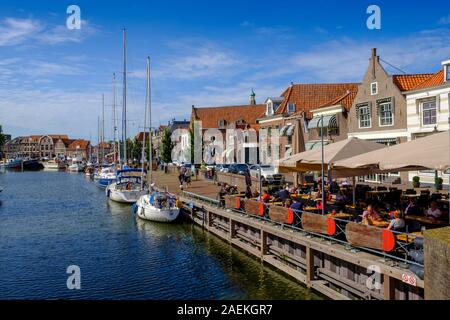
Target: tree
137, 149
129, 150
167, 146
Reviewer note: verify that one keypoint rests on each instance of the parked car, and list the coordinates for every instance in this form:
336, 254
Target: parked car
223, 167
238, 168
269, 174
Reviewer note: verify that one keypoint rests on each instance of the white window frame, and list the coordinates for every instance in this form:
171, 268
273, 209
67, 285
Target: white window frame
376, 88
447, 72
269, 110
290, 104
359, 118
422, 113
379, 115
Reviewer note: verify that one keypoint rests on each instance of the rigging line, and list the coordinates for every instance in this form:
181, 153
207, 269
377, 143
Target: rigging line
404, 72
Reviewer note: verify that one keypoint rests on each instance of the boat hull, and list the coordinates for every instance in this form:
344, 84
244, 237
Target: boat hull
124, 196
150, 213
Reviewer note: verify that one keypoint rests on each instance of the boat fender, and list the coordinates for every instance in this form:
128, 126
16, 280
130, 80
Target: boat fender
417, 256
418, 242
134, 207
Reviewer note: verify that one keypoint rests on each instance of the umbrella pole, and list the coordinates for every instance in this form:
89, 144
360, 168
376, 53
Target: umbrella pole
449, 178
354, 190
323, 169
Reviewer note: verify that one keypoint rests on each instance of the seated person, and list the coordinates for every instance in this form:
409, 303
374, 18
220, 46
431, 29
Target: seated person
265, 196
433, 212
341, 197
297, 205
398, 222
287, 203
412, 208
284, 194
370, 215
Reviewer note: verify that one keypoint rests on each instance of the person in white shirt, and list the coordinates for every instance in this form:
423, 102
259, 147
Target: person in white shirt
433, 211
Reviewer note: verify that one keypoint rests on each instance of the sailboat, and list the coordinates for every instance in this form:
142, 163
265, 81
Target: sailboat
130, 184
157, 206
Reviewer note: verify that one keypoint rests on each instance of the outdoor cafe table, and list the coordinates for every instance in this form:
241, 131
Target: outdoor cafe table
409, 238
340, 215
426, 220
380, 224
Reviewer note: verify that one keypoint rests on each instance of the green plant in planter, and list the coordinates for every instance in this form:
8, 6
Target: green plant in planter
438, 183
416, 182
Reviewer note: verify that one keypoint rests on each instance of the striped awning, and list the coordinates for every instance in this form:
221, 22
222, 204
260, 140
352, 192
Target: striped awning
287, 130
328, 121
315, 144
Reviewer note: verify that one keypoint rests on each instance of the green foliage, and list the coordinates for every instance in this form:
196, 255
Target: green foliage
137, 149
2, 137
166, 146
416, 179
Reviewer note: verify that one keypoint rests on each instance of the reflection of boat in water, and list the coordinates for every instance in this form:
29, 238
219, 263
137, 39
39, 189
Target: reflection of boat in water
157, 206
128, 187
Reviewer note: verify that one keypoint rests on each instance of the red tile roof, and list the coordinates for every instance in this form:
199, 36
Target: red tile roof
308, 97
436, 79
140, 136
58, 136
82, 144
211, 116
406, 82
346, 100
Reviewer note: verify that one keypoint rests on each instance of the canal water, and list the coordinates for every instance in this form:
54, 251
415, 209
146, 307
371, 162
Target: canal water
51, 220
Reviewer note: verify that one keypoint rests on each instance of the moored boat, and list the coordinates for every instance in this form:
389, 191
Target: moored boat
128, 187
157, 206
105, 177
77, 165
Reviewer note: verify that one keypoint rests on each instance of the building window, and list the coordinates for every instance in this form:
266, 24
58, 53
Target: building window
386, 116
333, 131
447, 72
291, 107
269, 110
374, 88
429, 113
221, 123
364, 117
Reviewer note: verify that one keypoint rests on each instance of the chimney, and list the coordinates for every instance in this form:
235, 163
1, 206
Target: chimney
446, 65
374, 57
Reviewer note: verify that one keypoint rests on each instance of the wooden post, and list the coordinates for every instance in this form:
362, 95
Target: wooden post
388, 288
263, 242
309, 266
232, 231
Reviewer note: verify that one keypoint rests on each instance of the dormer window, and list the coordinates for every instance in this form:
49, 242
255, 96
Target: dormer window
374, 88
291, 107
269, 110
446, 65
222, 123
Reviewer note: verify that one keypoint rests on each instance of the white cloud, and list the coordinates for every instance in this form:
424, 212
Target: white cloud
199, 62
14, 30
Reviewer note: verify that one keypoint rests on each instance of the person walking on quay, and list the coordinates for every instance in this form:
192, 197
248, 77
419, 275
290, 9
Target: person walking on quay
181, 179
187, 177
248, 183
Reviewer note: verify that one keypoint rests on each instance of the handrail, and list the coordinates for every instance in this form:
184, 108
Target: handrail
340, 227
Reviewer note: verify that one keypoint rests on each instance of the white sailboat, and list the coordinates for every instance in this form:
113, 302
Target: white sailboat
128, 187
77, 165
157, 206
130, 184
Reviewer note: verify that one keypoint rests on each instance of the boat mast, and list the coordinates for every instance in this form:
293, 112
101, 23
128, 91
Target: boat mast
115, 136
145, 125
150, 121
103, 128
98, 138
124, 110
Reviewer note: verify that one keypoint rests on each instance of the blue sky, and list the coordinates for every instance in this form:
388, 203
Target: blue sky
206, 53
